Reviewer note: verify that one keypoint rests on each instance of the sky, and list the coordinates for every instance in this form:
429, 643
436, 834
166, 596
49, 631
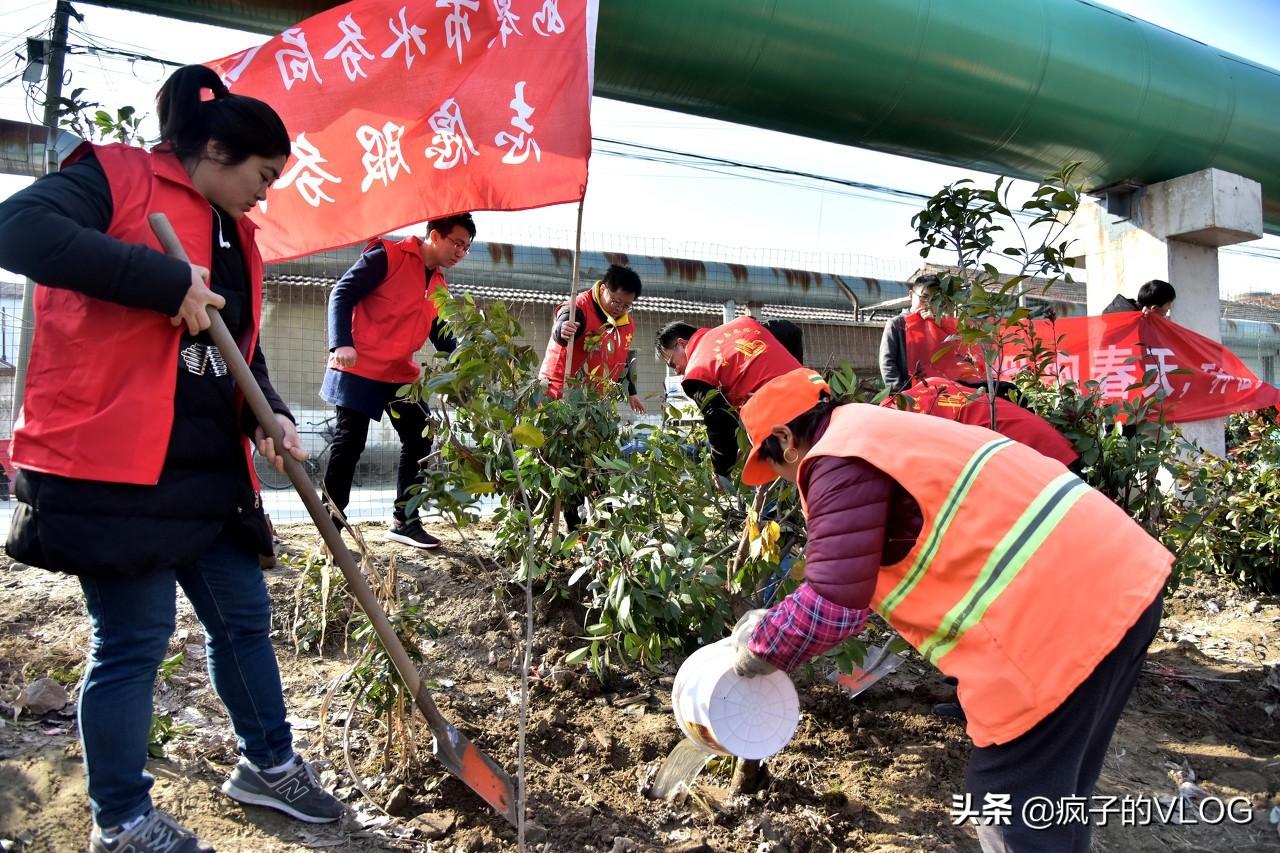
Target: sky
650, 208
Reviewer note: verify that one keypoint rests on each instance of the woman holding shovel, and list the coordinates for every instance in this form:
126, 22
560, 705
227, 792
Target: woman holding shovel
1000, 566
133, 446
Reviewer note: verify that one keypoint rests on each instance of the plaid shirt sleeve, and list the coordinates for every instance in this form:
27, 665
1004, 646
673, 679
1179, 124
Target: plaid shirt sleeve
802, 627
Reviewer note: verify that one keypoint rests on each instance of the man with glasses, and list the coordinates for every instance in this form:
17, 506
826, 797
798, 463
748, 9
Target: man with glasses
894, 368
601, 330
381, 312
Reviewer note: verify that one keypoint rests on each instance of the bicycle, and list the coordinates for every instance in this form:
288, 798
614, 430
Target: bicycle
315, 463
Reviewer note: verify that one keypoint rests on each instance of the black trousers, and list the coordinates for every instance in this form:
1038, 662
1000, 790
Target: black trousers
573, 510
1062, 756
350, 434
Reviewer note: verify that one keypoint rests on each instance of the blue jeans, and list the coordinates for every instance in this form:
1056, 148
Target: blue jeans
132, 619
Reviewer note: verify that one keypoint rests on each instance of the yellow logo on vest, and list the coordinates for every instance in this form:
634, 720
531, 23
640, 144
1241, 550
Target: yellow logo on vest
748, 348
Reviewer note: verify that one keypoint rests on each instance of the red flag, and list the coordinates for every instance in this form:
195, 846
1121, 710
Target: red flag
400, 112
1117, 350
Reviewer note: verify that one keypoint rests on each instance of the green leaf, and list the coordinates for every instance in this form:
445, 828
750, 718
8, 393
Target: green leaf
528, 434
577, 656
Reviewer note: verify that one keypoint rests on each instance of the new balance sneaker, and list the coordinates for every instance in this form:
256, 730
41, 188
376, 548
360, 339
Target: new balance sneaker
411, 533
295, 790
155, 832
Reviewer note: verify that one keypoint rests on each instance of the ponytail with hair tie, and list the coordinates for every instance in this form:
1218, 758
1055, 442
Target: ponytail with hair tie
195, 107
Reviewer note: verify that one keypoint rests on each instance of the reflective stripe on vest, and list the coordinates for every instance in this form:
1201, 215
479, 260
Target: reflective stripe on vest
945, 516
1009, 558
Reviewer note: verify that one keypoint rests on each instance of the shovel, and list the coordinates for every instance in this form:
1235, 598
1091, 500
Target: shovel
459, 755
881, 663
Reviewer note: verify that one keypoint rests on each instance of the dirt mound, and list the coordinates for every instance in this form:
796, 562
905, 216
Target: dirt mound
875, 773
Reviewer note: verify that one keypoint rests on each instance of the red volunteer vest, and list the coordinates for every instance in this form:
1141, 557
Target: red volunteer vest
600, 351
943, 398
925, 337
1022, 578
392, 323
737, 358
100, 383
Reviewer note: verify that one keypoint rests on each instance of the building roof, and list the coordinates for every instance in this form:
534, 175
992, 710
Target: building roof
663, 305
643, 305
675, 290
547, 270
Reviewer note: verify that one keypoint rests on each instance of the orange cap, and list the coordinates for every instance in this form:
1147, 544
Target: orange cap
776, 403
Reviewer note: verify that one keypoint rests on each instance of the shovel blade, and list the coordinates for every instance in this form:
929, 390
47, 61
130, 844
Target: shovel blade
854, 683
477, 771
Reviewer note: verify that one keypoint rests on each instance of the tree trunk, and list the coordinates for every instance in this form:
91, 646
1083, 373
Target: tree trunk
748, 777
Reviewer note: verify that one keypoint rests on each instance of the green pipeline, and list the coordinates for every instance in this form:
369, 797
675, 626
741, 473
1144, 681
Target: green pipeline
1017, 87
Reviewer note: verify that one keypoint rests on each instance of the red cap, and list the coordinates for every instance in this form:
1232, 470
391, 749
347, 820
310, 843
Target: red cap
776, 403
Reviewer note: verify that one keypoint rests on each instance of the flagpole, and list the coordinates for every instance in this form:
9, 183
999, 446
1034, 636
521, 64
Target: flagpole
573, 289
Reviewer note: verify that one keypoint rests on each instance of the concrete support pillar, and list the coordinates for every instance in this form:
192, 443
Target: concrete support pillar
730, 311
1173, 232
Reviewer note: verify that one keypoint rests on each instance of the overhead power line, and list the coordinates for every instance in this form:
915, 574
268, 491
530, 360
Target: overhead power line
774, 170
82, 49
722, 166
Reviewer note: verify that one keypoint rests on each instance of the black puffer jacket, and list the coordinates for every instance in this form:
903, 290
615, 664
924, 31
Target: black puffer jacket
52, 232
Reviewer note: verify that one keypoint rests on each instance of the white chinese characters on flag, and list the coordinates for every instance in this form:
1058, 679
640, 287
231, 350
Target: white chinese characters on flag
1196, 378
403, 111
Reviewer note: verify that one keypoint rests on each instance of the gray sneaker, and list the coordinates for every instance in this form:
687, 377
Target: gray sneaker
157, 833
295, 790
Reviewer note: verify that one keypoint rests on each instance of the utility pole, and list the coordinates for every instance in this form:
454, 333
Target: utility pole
53, 91
56, 53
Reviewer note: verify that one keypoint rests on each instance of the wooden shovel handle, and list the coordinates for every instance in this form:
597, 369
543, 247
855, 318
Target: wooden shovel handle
492, 778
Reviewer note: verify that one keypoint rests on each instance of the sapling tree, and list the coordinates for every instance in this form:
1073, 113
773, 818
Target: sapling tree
91, 121
651, 568
975, 227
992, 326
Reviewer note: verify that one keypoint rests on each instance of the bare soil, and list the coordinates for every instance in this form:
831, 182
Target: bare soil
876, 773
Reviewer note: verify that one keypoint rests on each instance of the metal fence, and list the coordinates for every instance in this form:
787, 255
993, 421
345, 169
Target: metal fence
531, 282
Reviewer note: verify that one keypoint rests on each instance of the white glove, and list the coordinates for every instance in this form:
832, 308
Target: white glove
747, 663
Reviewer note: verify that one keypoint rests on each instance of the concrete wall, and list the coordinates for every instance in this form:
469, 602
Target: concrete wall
294, 339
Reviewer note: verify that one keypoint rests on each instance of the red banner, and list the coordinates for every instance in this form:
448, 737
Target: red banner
400, 112
1118, 350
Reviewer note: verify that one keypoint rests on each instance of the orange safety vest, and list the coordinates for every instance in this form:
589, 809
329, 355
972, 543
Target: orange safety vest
98, 403
600, 351
737, 358
391, 324
1022, 578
